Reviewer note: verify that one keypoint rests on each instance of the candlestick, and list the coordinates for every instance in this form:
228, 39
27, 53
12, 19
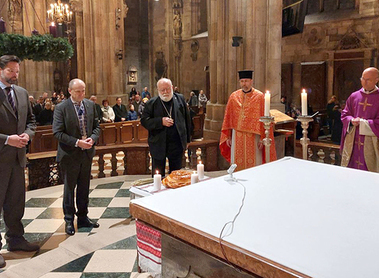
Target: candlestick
267, 140
200, 170
233, 147
157, 181
304, 141
194, 177
53, 30
2, 26
267, 104
304, 103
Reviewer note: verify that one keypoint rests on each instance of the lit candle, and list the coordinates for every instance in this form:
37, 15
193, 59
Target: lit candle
157, 181
2, 26
304, 104
194, 177
53, 30
267, 103
200, 170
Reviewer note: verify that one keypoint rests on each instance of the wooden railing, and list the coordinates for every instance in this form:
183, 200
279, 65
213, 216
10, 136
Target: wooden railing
43, 170
111, 134
320, 152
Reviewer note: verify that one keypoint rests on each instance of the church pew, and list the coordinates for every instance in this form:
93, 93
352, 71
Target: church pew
112, 134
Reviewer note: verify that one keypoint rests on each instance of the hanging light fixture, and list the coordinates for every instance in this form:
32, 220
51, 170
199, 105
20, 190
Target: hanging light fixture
59, 13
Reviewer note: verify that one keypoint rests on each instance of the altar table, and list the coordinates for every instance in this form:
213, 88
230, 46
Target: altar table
299, 219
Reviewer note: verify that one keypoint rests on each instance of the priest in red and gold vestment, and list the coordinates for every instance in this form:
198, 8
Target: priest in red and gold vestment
242, 113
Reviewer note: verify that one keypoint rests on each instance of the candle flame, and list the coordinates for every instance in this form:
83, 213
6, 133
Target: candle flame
304, 92
157, 172
52, 24
267, 92
200, 162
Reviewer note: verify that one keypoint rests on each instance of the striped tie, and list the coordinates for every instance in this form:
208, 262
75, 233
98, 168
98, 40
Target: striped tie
10, 99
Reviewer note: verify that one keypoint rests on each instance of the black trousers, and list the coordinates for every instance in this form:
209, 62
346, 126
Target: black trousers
76, 173
174, 153
12, 199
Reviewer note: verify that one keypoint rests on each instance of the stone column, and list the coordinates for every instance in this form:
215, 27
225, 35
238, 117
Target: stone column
99, 40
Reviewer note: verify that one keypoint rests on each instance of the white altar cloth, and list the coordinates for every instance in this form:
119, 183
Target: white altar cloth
318, 219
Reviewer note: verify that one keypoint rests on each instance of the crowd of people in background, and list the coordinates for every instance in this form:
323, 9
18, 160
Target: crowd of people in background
43, 107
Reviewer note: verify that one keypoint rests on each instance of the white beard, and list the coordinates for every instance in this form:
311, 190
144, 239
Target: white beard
166, 99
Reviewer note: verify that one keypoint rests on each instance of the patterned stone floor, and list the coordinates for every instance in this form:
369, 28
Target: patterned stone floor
109, 251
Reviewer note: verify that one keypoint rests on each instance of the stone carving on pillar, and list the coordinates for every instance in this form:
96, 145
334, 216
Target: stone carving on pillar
15, 15
351, 40
177, 24
76, 5
126, 9
194, 49
177, 9
160, 65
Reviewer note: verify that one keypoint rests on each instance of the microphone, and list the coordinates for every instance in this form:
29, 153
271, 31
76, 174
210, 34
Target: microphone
230, 171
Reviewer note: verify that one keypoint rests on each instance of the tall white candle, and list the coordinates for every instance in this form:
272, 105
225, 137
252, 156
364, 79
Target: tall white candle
194, 177
157, 181
233, 147
267, 104
304, 103
200, 170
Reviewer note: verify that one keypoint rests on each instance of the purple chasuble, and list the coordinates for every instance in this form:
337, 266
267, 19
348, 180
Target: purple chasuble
364, 106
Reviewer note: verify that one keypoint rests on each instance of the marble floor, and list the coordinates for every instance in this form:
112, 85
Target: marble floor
108, 251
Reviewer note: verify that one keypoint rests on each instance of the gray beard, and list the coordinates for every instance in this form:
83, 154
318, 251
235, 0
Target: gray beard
166, 99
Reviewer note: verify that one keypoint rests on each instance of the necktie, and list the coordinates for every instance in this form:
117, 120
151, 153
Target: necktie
82, 120
10, 99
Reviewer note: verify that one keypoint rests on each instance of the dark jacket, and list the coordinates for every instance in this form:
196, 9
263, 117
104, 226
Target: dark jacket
120, 112
12, 124
99, 111
152, 120
66, 128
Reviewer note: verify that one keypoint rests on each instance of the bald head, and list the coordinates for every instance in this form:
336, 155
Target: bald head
370, 77
74, 81
77, 89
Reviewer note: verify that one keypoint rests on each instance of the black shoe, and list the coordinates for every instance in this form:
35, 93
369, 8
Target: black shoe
22, 245
70, 229
2, 261
85, 222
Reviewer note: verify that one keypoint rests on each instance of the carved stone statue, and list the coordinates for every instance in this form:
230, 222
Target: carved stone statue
15, 15
177, 24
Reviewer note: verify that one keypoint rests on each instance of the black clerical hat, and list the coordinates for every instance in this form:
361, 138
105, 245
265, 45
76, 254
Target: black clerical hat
245, 74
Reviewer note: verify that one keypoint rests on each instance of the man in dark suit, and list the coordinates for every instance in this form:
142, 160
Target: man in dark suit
17, 127
166, 117
120, 111
77, 129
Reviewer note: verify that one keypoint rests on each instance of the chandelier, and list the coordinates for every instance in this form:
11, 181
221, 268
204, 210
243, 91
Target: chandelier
59, 13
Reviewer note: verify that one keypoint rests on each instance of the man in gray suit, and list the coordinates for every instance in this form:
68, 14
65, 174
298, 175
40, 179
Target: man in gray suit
17, 127
77, 129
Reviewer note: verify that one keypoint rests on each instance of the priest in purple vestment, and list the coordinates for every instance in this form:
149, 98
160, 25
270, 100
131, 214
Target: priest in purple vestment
360, 118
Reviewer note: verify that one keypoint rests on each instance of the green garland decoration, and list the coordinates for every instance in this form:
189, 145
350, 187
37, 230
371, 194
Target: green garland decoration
36, 48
